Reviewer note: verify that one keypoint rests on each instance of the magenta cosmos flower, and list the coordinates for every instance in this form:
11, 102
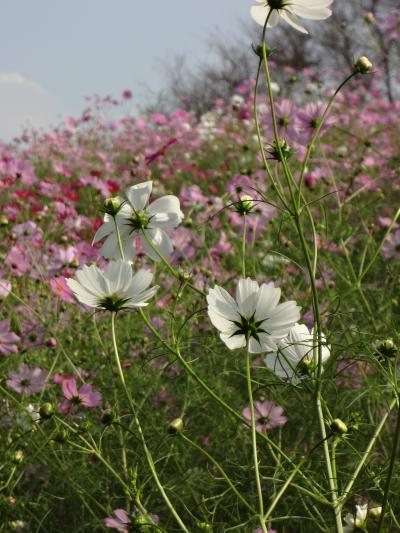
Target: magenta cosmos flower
86, 396
267, 415
120, 521
27, 380
7, 339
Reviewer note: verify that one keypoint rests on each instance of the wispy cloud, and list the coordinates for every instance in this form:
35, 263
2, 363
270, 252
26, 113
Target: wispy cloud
25, 103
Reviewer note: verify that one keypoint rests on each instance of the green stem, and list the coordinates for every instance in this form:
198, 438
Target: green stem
396, 440
174, 272
244, 247
318, 496
318, 129
139, 428
254, 445
222, 471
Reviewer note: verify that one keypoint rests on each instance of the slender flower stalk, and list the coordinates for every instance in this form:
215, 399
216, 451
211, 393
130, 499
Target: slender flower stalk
254, 445
396, 441
147, 452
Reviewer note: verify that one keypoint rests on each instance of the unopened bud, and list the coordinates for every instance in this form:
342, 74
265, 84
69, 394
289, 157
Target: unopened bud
245, 204
176, 426
363, 65
112, 205
61, 436
338, 426
203, 526
51, 342
369, 18
3, 220
375, 512
46, 411
18, 457
107, 418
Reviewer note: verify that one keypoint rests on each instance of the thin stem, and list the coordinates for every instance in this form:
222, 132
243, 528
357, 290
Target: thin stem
222, 471
244, 247
254, 444
121, 249
139, 428
396, 440
318, 129
169, 266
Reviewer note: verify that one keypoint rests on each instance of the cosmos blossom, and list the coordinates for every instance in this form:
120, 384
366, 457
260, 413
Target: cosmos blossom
289, 10
114, 288
267, 415
297, 354
255, 318
137, 218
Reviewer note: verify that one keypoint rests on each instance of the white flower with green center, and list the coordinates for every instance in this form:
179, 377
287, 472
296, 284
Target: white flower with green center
357, 522
256, 318
289, 10
139, 219
297, 354
113, 289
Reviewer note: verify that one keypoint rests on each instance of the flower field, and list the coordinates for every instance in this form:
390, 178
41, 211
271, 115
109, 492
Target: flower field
199, 315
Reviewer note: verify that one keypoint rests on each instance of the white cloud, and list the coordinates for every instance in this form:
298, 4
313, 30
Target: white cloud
24, 103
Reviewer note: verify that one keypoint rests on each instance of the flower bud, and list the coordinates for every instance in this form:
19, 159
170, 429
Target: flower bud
112, 205
375, 512
61, 436
363, 65
46, 411
338, 426
51, 342
203, 526
176, 426
369, 18
3, 220
107, 418
18, 457
245, 204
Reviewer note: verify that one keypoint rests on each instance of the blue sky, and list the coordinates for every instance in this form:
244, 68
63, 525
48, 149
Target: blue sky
55, 52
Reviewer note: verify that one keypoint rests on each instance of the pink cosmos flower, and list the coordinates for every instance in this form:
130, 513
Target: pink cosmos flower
309, 118
7, 339
85, 396
26, 380
60, 288
127, 94
18, 261
120, 522
267, 415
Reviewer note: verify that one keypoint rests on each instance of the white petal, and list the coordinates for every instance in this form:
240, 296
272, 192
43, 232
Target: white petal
318, 13
219, 321
223, 303
82, 294
268, 298
138, 195
292, 20
246, 296
165, 220
233, 342
259, 14
140, 281
119, 275
160, 240
165, 204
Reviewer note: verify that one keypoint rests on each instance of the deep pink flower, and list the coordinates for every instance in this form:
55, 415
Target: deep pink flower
267, 415
86, 396
27, 380
7, 339
127, 94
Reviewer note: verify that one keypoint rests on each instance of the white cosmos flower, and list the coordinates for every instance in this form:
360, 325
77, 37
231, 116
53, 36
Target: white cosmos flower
114, 288
136, 217
297, 354
289, 10
256, 314
357, 522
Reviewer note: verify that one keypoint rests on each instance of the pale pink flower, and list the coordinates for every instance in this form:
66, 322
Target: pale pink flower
27, 380
267, 415
86, 396
7, 339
